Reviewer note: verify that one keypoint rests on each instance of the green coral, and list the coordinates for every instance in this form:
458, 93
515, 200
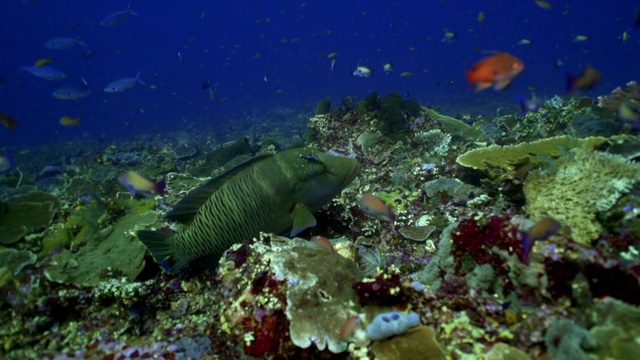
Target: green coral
25, 214
617, 331
507, 156
418, 343
323, 107
585, 183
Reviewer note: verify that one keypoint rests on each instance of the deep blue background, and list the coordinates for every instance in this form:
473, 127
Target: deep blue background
236, 44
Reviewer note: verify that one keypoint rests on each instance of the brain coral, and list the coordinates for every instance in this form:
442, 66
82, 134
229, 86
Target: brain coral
585, 183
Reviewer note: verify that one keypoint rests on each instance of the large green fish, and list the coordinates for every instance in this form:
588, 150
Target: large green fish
268, 193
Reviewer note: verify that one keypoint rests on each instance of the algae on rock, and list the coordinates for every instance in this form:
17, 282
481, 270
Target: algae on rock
26, 213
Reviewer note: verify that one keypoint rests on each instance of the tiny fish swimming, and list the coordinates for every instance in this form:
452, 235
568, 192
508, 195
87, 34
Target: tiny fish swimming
63, 43
117, 17
270, 193
123, 84
45, 72
72, 91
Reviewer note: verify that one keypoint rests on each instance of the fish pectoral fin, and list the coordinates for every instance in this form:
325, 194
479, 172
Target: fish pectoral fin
159, 245
302, 219
502, 84
483, 85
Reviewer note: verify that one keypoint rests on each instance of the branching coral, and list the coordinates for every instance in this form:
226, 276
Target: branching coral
619, 95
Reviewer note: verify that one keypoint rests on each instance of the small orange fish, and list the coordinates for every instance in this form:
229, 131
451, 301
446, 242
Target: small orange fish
8, 121
585, 81
349, 328
375, 207
69, 121
497, 70
323, 242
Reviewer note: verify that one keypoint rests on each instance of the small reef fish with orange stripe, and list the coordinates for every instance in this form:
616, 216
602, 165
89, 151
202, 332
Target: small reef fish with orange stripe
375, 207
585, 81
349, 327
323, 242
497, 70
138, 184
8, 121
69, 121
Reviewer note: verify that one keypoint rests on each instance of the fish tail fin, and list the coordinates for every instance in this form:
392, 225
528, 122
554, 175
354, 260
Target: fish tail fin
158, 244
527, 244
140, 80
160, 186
571, 84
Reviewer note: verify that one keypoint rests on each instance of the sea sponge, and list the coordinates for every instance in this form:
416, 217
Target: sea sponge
319, 295
585, 182
419, 343
391, 323
506, 156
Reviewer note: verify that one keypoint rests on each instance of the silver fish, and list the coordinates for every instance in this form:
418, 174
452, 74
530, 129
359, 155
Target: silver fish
45, 72
72, 91
63, 43
121, 85
117, 17
269, 193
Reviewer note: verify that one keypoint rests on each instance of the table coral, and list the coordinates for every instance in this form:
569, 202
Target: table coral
585, 182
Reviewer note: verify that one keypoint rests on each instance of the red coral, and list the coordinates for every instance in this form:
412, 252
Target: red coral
476, 238
383, 291
270, 336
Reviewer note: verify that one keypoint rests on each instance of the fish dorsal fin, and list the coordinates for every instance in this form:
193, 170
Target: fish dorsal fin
185, 211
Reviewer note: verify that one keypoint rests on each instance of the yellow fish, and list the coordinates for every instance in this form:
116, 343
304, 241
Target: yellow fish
69, 121
42, 62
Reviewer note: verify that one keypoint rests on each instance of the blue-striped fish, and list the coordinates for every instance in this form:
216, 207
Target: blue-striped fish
117, 17
45, 72
63, 43
269, 193
72, 91
123, 84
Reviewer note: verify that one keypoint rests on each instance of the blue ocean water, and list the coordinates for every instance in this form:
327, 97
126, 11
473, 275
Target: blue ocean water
260, 55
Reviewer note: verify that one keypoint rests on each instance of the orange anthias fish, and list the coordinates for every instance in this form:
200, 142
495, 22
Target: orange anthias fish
497, 70
8, 121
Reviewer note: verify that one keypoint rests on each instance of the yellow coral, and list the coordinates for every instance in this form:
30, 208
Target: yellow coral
586, 182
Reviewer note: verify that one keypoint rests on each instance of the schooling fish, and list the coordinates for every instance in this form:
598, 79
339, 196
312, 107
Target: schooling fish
270, 193
45, 72
117, 17
63, 43
121, 85
362, 71
497, 70
138, 184
72, 91
69, 121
